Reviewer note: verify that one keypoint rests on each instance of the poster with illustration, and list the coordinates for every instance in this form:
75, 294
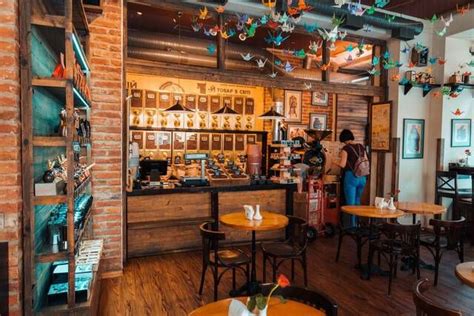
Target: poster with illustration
319, 98
318, 121
296, 130
413, 138
292, 106
460, 133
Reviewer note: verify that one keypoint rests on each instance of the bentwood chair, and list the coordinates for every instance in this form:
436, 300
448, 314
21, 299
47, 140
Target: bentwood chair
466, 205
215, 258
425, 306
399, 241
447, 187
446, 236
294, 249
309, 297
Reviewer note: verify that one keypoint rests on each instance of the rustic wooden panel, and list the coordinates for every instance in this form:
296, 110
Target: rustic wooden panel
353, 114
142, 242
272, 200
3, 278
142, 209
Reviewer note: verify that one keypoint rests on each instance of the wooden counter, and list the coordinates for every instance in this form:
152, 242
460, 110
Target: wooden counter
167, 220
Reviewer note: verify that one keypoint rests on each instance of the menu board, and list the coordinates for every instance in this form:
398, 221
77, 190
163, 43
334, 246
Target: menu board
216, 143
137, 97
204, 141
150, 99
251, 139
164, 100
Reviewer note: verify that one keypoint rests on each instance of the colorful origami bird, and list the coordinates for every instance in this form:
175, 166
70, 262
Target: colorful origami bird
434, 19
335, 21
211, 49
462, 9
203, 13
302, 6
277, 62
264, 19
442, 32
371, 10
471, 63
375, 61
381, 3
433, 60
310, 28
207, 32
405, 50
315, 46
283, 18
279, 39
288, 67
246, 57
386, 55
448, 22
342, 35
261, 63
308, 86
251, 30
374, 72
349, 48
436, 94
442, 61
395, 77
458, 112
355, 8
287, 27
300, 53
404, 81
195, 25
220, 9
390, 18
273, 75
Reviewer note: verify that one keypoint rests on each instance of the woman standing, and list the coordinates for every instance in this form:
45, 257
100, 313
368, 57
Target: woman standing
355, 165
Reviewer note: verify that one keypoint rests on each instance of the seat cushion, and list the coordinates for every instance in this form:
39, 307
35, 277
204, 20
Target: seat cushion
281, 249
231, 257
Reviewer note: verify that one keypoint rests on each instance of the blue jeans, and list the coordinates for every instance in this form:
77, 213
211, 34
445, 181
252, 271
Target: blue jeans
353, 188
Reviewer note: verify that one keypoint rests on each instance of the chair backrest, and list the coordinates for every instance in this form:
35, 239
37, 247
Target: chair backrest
309, 297
425, 306
446, 181
297, 231
409, 235
210, 240
452, 230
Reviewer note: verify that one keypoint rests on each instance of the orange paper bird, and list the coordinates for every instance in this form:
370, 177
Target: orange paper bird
411, 65
220, 9
442, 61
396, 77
249, 21
269, 3
458, 112
293, 11
224, 35
324, 67
203, 13
436, 94
303, 6
462, 9
215, 29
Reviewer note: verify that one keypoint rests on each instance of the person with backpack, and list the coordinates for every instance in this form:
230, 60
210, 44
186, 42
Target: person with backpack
356, 167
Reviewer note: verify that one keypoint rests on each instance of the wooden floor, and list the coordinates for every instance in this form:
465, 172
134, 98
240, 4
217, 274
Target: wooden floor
168, 284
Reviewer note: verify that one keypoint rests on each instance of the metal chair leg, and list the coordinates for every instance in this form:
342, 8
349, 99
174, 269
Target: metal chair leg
274, 268
341, 235
305, 270
292, 269
233, 279
203, 275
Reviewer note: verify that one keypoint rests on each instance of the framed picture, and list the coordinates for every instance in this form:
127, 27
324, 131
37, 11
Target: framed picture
318, 121
413, 138
460, 133
320, 98
292, 106
380, 126
296, 130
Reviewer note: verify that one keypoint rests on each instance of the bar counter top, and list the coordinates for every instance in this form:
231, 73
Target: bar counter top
203, 189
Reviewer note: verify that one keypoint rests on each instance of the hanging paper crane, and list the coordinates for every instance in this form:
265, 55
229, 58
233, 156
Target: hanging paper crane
288, 67
471, 63
211, 49
404, 81
246, 57
203, 13
448, 22
433, 60
287, 27
300, 53
310, 28
389, 18
273, 75
374, 72
458, 112
386, 55
308, 86
434, 19
261, 63
375, 61
335, 21
302, 6
284, 18
371, 10
196, 26
277, 40
315, 46
340, 3
442, 61
395, 77
277, 62
405, 50
442, 32
342, 35
381, 3
264, 19
349, 48
462, 9
269, 3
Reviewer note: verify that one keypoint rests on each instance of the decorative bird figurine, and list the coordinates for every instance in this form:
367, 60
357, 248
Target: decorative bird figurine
310, 28
434, 19
264, 19
220, 9
251, 30
196, 26
246, 57
315, 46
308, 86
442, 61
462, 9
386, 55
371, 10
325, 67
342, 35
335, 21
448, 22
300, 53
287, 27
277, 62
390, 18
458, 112
374, 72
381, 3
395, 77
278, 40
471, 63
404, 81
436, 94
273, 75
442, 32
375, 61
283, 18
211, 49
203, 13
433, 60
349, 48
405, 50
261, 63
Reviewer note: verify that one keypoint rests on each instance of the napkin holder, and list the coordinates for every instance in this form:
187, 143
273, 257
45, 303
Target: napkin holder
249, 212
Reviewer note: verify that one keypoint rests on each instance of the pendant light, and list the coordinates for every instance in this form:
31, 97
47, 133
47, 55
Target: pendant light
178, 108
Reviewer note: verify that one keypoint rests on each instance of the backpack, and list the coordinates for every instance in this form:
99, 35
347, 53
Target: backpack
361, 166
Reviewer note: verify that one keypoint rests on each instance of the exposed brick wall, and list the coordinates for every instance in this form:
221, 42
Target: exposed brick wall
10, 150
106, 119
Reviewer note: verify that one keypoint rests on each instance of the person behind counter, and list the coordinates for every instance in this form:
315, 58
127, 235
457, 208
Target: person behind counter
355, 165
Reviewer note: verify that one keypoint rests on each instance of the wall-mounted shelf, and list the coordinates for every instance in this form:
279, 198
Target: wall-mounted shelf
426, 87
455, 86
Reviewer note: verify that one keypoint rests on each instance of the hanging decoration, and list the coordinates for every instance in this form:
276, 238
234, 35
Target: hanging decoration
220, 9
463, 9
211, 49
381, 3
288, 67
203, 13
458, 112
246, 57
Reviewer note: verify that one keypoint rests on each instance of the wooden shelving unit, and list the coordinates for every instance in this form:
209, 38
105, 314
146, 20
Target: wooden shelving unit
455, 86
44, 36
426, 87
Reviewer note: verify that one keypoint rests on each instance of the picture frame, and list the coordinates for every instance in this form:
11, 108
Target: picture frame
413, 138
320, 98
318, 121
293, 106
297, 130
461, 132
381, 126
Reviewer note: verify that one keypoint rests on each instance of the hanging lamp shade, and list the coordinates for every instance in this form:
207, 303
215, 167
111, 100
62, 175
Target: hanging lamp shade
226, 110
178, 108
271, 115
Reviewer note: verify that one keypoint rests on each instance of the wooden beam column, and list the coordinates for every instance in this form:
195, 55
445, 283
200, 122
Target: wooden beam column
220, 44
395, 164
326, 60
440, 154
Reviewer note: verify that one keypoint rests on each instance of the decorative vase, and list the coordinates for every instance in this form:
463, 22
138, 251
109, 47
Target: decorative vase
391, 206
257, 216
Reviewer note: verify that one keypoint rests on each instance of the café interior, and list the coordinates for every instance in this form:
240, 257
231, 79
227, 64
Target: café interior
236, 157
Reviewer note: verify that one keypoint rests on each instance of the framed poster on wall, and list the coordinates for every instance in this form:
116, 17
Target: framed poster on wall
381, 126
296, 130
318, 121
460, 133
292, 106
413, 138
319, 98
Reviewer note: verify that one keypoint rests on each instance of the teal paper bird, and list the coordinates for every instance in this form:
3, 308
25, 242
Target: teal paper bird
381, 3
231, 32
277, 62
288, 67
311, 28
386, 55
211, 49
389, 18
426, 87
471, 63
375, 61
433, 60
251, 30
273, 75
207, 32
300, 53
283, 18
278, 40
404, 81
371, 10
387, 65
442, 32
374, 72
405, 50
269, 38
434, 19
349, 48
264, 20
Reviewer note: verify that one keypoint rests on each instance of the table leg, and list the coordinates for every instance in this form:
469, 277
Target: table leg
375, 269
253, 276
252, 287
414, 218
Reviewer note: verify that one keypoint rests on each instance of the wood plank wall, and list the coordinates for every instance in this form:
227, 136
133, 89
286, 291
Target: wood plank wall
352, 113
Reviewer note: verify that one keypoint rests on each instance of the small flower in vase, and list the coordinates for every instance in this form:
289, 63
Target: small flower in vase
258, 304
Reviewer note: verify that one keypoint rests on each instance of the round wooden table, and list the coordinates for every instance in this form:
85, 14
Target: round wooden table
270, 221
276, 308
371, 211
421, 208
465, 273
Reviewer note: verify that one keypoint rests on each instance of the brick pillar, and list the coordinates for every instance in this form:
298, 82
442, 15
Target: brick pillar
106, 119
10, 149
